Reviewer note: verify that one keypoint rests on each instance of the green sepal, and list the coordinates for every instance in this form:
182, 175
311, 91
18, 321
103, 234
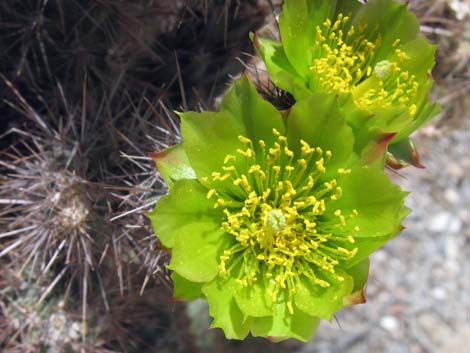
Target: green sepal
173, 164
373, 154
185, 289
224, 309
405, 152
323, 302
360, 273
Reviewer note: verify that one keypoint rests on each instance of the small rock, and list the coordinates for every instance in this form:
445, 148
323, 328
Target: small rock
445, 222
456, 171
389, 323
439, 293
452, 196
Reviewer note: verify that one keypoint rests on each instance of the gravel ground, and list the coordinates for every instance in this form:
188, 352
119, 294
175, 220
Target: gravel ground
418, 293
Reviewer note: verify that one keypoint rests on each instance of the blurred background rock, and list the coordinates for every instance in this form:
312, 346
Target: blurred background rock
88, 88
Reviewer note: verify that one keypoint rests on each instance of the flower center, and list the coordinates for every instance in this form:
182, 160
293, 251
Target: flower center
275, 221
344, 62
276, 210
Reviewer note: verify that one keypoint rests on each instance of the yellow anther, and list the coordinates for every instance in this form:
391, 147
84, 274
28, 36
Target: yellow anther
220, 202
275, 132
319, 165
204, 179
303, 163
351, 31
357, 229
229, 158
211, 193
266, 194
351, 239
247, 153
288, 152
354, 212
244, 139
342, 171
338, 213
224, 177
262, 144
396, 42
230, 168
254, 168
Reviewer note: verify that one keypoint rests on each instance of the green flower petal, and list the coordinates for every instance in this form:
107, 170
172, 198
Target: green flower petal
280, 69
297, 23
389, 18
224, 309
197, 250
318, 121
184, 289
378, 202
421, 57
283, 325
173, 164
366, 246
426, 111
322, 302
257, 117
254, 300
207, 138
185, 206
